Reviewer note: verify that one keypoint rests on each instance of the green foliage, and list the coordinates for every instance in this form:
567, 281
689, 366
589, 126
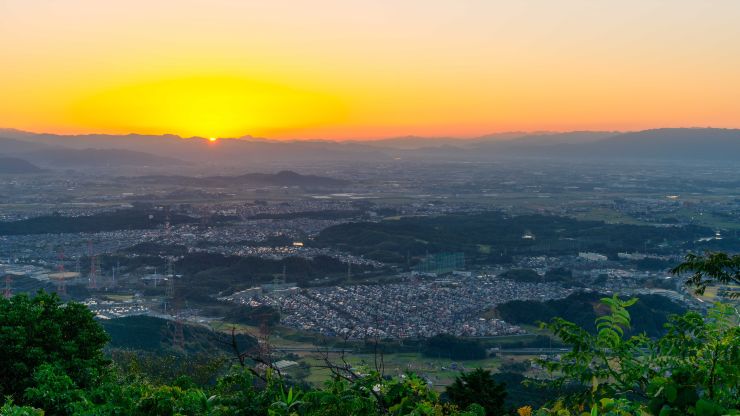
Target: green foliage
479, 387
55, 392
9, 409
692, 370
200, 369
650, 312
287, 403
41, 330
521, 391
604, 407
712, 268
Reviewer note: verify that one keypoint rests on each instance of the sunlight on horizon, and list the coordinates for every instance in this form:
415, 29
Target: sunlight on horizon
338, 69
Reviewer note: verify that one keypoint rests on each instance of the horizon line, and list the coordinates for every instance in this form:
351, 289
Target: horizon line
363, 139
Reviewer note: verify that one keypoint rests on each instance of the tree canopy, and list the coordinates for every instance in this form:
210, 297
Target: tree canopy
41, 330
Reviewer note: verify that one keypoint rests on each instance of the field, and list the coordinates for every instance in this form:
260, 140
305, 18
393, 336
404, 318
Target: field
306, 349
441, 372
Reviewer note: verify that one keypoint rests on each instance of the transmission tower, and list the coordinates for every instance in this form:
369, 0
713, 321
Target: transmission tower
61, 275
178, 335
178, 340
167, 229
94, 267
115, 270
8, 292
170, 276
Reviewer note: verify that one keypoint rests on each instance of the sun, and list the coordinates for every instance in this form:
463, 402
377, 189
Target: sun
212, 139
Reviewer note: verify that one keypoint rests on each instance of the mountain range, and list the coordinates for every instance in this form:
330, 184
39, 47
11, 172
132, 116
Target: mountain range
674, 144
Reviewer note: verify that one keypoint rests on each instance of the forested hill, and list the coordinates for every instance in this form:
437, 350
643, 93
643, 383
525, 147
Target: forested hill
123, 219
494, 237
649, 314
146, 333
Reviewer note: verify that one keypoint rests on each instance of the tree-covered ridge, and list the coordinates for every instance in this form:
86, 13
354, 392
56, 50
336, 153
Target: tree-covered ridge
122, 219
493, 236
147, 333
650, 312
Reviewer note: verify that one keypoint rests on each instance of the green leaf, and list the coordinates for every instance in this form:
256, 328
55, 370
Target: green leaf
594, 384
670, 392
708, 408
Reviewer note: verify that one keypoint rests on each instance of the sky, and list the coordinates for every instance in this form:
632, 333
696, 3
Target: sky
350, 69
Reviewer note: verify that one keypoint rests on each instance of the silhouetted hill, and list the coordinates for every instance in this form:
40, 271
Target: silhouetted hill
283, 178
525, 141
16, 147
15, 165
98, 157
695, 143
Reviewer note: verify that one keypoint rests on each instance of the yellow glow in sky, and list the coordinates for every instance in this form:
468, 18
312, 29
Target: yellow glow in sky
363, 69
205, 106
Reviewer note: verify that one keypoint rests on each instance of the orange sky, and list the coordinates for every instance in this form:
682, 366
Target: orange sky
363, 69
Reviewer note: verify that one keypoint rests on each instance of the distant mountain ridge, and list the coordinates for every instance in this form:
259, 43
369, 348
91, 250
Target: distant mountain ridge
705, 144
57, 155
